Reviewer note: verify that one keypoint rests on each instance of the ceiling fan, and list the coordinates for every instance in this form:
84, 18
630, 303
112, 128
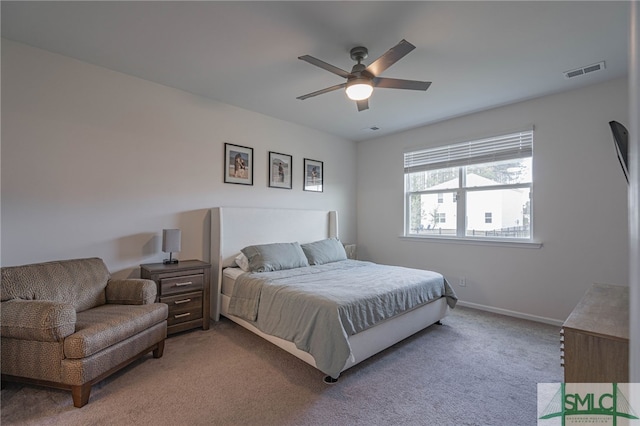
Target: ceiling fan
362, 79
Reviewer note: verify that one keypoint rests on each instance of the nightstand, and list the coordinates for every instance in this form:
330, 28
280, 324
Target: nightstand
184, 286
351, 250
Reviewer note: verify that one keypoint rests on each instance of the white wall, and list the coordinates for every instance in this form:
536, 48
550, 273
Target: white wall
97, 163
579, 205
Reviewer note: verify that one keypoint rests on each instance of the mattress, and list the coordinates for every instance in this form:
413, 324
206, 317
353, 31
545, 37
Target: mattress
318, 307
229, 276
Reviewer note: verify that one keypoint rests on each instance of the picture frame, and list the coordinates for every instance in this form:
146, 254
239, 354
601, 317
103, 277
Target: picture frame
313, 175
238, 164
280, 168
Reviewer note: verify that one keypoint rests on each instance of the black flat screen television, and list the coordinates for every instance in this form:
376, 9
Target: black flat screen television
621, 141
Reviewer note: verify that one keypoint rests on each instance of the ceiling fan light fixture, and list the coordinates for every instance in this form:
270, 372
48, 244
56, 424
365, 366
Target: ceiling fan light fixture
360, 81
359, 89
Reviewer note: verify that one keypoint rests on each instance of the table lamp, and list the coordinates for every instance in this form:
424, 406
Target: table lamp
170, 243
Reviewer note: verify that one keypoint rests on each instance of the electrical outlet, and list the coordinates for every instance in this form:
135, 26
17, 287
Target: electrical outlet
462, 282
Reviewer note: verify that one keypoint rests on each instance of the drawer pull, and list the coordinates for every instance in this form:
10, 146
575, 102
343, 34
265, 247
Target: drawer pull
179, 302
182, 315
183, 284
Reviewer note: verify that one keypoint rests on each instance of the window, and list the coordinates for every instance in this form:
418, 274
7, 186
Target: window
476, 189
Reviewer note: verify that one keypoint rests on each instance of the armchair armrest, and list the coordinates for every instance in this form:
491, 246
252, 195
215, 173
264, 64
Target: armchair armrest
131, 291
40, 320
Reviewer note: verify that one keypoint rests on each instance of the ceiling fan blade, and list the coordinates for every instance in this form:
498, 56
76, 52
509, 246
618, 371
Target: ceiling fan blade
363, 104
390, 57
324, 65
320, 92
394, 83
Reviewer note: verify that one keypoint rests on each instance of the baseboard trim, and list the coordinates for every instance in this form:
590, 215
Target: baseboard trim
510, 313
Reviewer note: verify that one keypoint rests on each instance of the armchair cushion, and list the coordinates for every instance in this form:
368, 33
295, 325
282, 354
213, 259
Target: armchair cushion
39, 320
106, 325
80, 282
131, 291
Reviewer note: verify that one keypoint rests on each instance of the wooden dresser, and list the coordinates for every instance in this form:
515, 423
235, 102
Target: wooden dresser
184, 286
596, 337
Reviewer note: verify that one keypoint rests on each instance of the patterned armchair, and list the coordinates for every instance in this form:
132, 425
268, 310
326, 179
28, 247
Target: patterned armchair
68, 325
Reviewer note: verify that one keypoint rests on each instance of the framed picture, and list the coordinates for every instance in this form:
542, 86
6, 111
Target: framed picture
313, 175
238, 164
280, 166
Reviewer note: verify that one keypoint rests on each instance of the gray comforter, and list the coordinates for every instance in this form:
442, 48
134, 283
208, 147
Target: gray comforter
318, 307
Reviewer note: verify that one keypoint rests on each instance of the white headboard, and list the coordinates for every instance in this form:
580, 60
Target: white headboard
233, 228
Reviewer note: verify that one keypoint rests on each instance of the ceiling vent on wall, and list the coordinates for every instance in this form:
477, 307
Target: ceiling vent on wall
584, 70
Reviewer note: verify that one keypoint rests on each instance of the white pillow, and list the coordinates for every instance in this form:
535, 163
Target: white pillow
242, 262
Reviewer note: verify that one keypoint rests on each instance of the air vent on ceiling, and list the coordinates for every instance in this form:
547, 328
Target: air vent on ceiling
371, 129
584, 70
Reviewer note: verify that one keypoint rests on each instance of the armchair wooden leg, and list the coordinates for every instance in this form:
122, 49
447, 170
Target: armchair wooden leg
80, 395
157, 352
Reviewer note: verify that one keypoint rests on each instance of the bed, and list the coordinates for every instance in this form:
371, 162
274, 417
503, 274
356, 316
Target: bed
241, 297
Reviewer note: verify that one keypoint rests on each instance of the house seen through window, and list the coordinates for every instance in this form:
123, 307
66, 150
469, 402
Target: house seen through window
477, 189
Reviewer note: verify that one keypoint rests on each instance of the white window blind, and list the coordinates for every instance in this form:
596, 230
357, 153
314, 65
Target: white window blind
497, 148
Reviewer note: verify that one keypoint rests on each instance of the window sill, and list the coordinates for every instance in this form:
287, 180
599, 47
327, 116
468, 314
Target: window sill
476, 241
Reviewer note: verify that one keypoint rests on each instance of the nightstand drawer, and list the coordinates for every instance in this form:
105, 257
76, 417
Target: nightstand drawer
181, 284
184, 307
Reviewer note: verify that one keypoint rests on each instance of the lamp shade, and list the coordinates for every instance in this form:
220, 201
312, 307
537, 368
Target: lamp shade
171, 240
359, 88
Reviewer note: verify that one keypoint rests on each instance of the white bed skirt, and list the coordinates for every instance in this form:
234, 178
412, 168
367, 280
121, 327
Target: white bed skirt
370, 341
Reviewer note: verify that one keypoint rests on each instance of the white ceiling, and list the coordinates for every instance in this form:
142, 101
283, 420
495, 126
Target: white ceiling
478, 54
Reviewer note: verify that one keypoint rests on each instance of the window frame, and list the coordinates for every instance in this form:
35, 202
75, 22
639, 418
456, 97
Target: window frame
460, 192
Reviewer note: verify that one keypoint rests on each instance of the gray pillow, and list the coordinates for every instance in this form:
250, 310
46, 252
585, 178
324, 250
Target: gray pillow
275, 257
324, 251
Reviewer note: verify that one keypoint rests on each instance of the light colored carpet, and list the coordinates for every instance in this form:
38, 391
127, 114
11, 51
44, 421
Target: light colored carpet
477, 368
